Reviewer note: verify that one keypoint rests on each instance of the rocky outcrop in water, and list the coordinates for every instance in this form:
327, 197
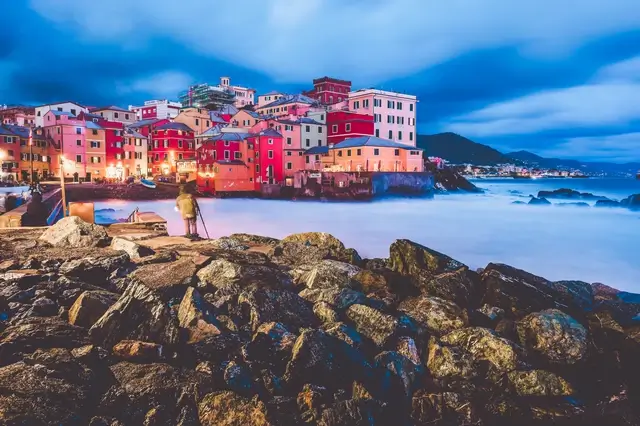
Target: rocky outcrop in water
242, 331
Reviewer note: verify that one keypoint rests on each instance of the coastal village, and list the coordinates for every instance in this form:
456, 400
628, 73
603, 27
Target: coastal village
226, 138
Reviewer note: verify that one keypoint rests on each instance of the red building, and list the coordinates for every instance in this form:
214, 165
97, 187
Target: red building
170, 142
114, 145
329, 90
230, 149
269, 163
343, 125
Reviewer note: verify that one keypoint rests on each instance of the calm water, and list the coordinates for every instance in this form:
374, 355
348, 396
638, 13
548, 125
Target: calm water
557, 242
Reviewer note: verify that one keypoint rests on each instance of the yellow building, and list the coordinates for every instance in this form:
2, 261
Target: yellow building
198, 119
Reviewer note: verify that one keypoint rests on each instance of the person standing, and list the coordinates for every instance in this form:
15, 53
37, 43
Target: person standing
189, 209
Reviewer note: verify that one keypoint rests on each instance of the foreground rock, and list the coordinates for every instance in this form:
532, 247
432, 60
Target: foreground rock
73, 232
249, 331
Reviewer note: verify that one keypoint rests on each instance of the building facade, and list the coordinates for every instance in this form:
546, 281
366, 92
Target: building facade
197, 119
170, 142
68, 107
297, 105
328, 90
114, 113
394, 114
268, 145
96, 151
156, 109
68, 153
343, 125
18, 116
135, 153
243, 95
268, 98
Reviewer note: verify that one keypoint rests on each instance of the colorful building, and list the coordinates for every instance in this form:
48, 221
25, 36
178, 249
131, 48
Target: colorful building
327, 90
197, 119
156, 109
170, 142
245, 119
18, 116
268, 98
366, 154
394, 114
343, 125
135, 153
9, 154
68, 152
114, 113
243, 95
96, 151
236, 153
297, 105
69, 107
269, 149
114, 149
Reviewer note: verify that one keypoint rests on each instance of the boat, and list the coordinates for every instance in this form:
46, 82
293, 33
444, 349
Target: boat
148, 183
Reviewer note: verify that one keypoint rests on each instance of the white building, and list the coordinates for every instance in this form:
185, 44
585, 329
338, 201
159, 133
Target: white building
114, 113
313, 130
244, 95
156, 109
70, 107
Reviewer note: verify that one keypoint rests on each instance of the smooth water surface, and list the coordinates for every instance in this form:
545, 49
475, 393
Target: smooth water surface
557, 242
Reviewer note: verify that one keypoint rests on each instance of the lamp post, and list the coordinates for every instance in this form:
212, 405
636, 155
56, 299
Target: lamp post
62, 188
31, 153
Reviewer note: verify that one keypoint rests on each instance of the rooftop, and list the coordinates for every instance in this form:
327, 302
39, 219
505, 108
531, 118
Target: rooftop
213, 131
215, 117
269, 132
374, 142
132, 132
291, 99
175, 126
317, 150
93, 126
382, 92
330, 79
230, 136
143, 123
61, 113
110, 108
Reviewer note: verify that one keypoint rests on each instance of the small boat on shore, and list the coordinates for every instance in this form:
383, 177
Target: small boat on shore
148, 183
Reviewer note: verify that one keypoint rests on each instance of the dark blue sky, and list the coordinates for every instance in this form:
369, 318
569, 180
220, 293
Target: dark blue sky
557, 77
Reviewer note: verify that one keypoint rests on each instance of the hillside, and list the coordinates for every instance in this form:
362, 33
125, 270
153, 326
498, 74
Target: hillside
460, 150
534, 160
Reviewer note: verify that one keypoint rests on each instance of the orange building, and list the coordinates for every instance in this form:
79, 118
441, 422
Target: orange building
96, 151
198, 119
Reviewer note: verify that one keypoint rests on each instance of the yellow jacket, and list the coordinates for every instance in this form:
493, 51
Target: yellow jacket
187, 206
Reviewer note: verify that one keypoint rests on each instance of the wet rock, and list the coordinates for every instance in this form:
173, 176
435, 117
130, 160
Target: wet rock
443, 409
361, 412
380, 328
90, 306
272, 305
39, 333
139, 314
555, 336
328, 274
539, 201
632, 202
227, 277
73, 232
133, 249
437, 316
230, 409
484, 345
270, 347
325, 313
539, 383
196, 317
95, 269
133, 350
338, 298
166, 280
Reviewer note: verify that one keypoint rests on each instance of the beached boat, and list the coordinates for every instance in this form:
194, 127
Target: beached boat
148, 183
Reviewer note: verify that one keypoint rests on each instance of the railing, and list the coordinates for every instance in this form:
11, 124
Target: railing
132, 217
56, 213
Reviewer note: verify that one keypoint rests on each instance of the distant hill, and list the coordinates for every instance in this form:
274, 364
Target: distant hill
460, 150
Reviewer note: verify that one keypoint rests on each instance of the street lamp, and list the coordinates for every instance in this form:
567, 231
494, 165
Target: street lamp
62, 187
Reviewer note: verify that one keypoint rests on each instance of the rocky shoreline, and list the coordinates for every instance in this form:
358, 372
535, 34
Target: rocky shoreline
97, 329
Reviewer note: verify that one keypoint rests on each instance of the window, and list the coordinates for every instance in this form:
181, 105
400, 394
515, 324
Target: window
390, 134
257, 168
288, 153
396, 152
306, 160
180, 156
270, 141
400, 120
319, 142
197, 122
115, 114
59, 109
180, 144
78, 130
126, 116
78, 158
377, 102
348, 153
39, 113
319, 129
157, 157
358, 152
377, 133
410, 107
308, 142
398, 105
340, 153
322, 117
78, 142
299, 153
58, 129
289, 166
410, 136
166, 157
94, 132
226, 143
208, 124
155, 144
237, 155
399, 135
347, 127
226, 155
166, 143
307, 128
288, 141
365, 103
390, 104
334, 128
376, 151
270, 154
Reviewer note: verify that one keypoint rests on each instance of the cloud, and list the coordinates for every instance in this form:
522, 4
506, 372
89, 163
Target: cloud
628, 70
374, 40
161, 85
615, 148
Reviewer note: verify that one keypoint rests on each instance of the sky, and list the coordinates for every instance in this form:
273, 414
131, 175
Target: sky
560, 78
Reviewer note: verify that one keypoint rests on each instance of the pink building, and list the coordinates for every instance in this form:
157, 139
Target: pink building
244, 95
394, 114
68, 133
156, 109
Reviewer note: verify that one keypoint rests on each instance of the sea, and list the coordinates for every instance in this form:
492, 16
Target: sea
558, 242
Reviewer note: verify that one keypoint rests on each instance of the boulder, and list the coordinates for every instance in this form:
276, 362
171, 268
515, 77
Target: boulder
459, 286
90, 306
539, 201
608, 203
73, 232
328, 274
166, 280
449, 362
139, 314
339, 298
318, 239
230, 409
370, 281
95, 269
348, 335
539, 383
270, 347
435, 315
443, 409
273, 305
325, 313
419, 262
295, 255
484, 345
216, 348
407, 347
238, 379
255, 240
555, 336
227, 277
377, 326
133, 350
632, 202
133, 249
195, 315
227, 243
354, 412
408, 373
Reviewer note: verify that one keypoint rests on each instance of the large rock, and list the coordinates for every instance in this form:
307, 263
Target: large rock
435, 315
134, 350
273, 305
632, 202
90, 306
555, 336
443, 409
167, 280
379, 327
323, 242
133, 249
73, 232
484, 345
408, 373
459, 286
36, 333
328, 274
339, 298
255, 240
357, 412
449, 362
230, 409
319, 239
95, 269
539, 383
419, 262
139, 314
196, 317
227, 277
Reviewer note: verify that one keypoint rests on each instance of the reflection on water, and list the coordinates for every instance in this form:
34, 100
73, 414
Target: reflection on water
594, 245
